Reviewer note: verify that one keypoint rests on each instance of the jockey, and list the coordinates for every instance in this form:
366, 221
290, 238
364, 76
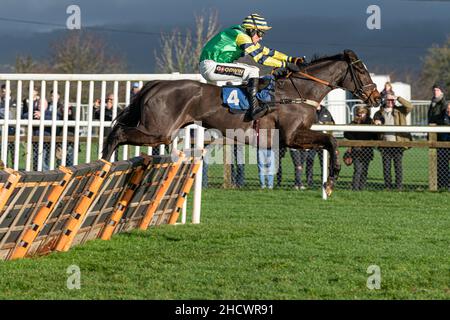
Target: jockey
218, 56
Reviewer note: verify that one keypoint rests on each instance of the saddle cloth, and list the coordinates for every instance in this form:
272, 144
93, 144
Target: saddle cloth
235, 97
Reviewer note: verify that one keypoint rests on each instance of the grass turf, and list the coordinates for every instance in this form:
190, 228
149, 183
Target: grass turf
277, 244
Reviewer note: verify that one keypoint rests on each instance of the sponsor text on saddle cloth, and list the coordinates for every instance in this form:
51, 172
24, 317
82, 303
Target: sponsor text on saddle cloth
235, 97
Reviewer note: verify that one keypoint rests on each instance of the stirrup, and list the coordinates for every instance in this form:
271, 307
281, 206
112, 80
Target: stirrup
260, 111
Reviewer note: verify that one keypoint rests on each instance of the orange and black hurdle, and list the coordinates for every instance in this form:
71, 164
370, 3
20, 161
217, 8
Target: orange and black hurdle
76, 219
41, 212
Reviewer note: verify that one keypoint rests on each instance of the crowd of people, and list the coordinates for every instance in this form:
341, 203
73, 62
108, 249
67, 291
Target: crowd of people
394, 111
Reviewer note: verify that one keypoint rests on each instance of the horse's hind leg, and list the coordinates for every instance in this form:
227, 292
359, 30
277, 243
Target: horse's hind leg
304, 139
121, 135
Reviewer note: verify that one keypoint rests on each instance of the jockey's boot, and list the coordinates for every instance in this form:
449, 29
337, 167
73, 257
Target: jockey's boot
257, 110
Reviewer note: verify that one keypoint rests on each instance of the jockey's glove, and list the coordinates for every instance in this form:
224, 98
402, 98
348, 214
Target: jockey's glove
296, 60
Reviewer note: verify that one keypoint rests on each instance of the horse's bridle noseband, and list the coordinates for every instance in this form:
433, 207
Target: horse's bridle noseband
359, 87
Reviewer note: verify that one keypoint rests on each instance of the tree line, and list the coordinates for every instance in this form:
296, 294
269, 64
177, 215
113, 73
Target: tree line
87, 52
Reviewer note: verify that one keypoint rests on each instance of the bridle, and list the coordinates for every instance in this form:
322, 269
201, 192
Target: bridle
360, 88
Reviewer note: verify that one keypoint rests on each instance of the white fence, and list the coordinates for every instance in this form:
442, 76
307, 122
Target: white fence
77, 92
79, 139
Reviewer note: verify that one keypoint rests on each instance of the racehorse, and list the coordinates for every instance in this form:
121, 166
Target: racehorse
163, 107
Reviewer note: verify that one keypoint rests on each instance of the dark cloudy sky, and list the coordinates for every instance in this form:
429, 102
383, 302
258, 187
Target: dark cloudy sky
299, 27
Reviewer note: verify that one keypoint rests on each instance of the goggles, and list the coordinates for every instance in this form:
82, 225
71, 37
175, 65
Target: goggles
260, 33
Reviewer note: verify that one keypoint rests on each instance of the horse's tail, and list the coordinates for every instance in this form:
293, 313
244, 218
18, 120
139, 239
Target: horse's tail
130, 116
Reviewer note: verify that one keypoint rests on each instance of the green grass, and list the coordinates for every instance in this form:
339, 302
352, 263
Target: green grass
278, 244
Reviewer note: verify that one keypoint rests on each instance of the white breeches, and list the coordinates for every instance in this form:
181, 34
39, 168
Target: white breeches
216, 71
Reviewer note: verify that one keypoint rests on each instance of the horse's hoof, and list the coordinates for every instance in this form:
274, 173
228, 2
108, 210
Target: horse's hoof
328, 186
328, 190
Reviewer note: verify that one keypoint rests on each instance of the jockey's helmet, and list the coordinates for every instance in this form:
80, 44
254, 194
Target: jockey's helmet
255, 22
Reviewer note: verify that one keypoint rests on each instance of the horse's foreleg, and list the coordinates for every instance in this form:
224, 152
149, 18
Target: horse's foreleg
307, 139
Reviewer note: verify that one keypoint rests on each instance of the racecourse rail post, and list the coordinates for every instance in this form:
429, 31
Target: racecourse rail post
432, 162
187, 145
324, 174
199, 145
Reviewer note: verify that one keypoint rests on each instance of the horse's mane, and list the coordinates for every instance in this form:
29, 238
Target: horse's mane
316, 59
320, 58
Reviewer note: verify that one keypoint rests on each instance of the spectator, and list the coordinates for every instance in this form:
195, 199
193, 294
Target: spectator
70, 133
59, 116
108, 115
238, 165
12, 107
109, 103
108, 110
39, 107
35, 103
211, 148
205, 170
134, 90
96, 106
266, 167
362, 156
323, 116
59, 106
443, 154
437, 105
387, 90
390, 114
12, 103
298, 159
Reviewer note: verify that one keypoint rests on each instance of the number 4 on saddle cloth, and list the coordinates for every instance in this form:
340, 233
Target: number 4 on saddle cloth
235, 97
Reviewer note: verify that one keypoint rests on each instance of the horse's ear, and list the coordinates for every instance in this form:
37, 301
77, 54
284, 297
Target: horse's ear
350, 54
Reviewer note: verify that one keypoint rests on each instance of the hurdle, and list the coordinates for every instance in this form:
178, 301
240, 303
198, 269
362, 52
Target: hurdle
43, 212
122, 205
81, 209
26, 197
42, 215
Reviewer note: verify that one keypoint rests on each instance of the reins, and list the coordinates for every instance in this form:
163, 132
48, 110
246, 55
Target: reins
301, 99
359, 87
315, 79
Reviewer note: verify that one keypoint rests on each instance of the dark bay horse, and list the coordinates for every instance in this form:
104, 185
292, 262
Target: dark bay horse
163, 107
